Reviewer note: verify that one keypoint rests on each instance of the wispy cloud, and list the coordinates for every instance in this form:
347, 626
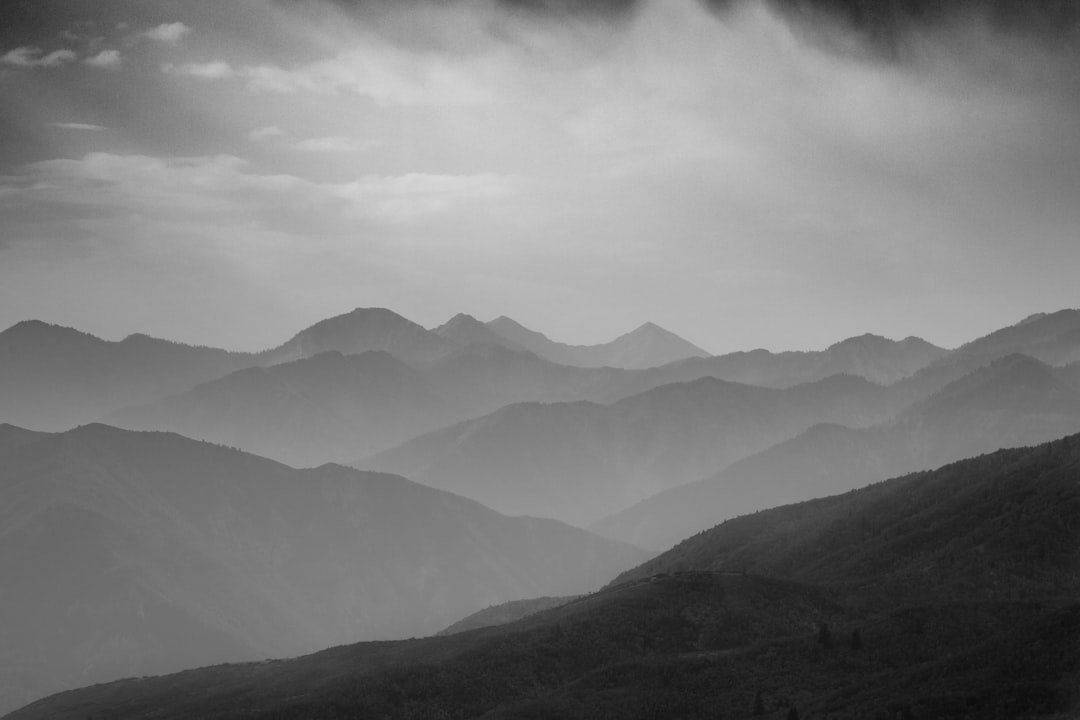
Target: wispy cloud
104, 59
215, 70
335, 143
77, 126
263, 134
225, 186
170, 33
32, 57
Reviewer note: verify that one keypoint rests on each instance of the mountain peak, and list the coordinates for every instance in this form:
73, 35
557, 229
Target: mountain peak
40, 328
865, 340
360, 330
464, 329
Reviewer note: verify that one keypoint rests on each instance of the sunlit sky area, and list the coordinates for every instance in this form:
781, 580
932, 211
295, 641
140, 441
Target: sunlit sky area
226, 173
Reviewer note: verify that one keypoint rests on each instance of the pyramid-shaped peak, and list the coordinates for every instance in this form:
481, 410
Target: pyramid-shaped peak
651, 327
461, 319
465, 329
374, 317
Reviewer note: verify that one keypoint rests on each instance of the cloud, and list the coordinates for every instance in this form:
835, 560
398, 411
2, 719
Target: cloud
104, 59
673, 160
224, 189
333, 143
31, 57
216, 70
387, 75
170, 33
263, 134
77, 126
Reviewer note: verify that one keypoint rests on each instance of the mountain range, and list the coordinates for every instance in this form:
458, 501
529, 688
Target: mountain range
1013, 401
329, 407
646, 346
52, 377
129, 553
580, 461
943, 594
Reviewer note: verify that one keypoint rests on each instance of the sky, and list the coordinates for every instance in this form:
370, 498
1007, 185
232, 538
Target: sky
226, 173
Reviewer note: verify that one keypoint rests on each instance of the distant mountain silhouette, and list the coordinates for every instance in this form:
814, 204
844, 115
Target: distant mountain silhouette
1053, 338
647, 346
948, 594
1012, 402
135, 553
326, 408
364, 330
53, 377
579, 461
873, 357
12, 436
466, 330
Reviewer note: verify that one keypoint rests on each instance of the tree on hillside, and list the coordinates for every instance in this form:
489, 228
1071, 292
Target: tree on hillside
824, 635
759, 704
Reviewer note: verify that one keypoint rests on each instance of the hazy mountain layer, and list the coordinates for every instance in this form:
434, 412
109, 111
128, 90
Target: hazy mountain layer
947, 594
1053, 338
647, 346
134, 553
580, 461
873, 357
363, 330
308, 412
52, 377
1012, 402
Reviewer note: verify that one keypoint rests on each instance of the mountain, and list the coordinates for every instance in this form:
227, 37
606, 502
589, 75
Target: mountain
364, 330
1053, 338
12, 436
1002, 525
579, 461
873, 357
647, 346
1012, 402
947, 594
53, 377
136, 553
506, 612
466, 330
329, 407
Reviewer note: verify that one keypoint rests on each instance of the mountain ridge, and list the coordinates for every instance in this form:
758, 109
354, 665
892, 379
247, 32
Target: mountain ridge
1010, 402
648, 345
128, 553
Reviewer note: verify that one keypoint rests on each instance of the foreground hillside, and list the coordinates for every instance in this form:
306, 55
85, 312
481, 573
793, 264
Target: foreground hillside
946, 594
128, 553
